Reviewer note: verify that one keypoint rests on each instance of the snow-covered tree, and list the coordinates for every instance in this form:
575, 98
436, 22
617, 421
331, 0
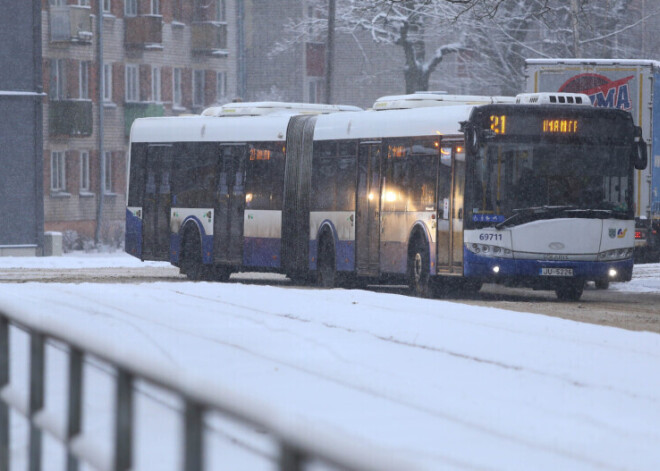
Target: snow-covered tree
412, 25
499, 42
423, 29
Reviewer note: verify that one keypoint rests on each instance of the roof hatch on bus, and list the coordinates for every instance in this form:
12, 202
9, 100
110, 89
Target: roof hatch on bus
274, 107
423, 99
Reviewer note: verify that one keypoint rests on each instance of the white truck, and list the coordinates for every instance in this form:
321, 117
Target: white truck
632, 85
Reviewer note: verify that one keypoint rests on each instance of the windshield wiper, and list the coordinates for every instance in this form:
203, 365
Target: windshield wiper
532, 213
599, 213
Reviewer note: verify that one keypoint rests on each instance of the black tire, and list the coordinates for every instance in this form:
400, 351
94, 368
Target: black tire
191, 258
419, 283
221, 273
570, 291
469, 286
326, 272
602, 283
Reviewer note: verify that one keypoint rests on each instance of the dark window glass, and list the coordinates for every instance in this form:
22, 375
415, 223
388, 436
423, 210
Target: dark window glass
345, 176
421, 166
136, 183
324, 176
410, 171
195, 174
265, 176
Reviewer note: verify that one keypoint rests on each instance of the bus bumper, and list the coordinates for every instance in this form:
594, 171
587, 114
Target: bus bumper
493, 269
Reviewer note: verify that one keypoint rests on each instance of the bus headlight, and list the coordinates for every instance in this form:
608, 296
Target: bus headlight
615, 254
489, 250
612, 273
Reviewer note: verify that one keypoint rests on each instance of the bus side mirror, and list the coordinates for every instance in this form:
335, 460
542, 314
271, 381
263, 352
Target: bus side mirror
471, 140
640, 152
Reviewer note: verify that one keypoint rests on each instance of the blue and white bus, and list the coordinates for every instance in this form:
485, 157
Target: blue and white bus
537, 193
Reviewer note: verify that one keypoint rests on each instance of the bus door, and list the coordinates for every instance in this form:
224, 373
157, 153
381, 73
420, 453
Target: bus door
451, 186
157, 203
457, 210
443, 248
230, 205
367, 230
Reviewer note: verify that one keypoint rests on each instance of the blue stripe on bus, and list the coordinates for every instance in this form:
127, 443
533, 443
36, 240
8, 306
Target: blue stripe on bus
262, 252
345, 255
133, 237
482, 267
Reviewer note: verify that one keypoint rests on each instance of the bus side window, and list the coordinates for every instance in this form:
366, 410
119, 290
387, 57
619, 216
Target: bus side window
423, 164
346, 162
324, 176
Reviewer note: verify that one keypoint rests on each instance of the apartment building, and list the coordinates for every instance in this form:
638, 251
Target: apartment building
154, 58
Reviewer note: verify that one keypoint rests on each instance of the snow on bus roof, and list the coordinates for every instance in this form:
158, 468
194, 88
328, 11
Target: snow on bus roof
424, 99
443, 120
586, 61
272, 107
429, 121
209, 129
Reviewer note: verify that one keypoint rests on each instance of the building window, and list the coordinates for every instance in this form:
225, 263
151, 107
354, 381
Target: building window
57, 79
155, 85
84, 171
132, 83
107, 82
130, 7
176, 88
57, 3
107, 184
83, 80
57, 171
220, 10
315, 90
221, 87
177, 10
107, 6
83, 3
198, 88
155, 7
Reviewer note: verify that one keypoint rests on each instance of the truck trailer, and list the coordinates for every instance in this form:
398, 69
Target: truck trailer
632, 85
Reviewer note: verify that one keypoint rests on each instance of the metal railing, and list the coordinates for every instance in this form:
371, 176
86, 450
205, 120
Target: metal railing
296, 447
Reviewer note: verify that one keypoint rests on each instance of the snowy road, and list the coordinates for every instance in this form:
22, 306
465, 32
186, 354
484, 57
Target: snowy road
440, 384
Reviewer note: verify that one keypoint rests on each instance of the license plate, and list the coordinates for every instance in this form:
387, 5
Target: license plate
545, 271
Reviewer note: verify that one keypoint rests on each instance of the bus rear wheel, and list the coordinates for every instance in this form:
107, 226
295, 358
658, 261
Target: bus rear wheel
325, 264
191, 258
419, 282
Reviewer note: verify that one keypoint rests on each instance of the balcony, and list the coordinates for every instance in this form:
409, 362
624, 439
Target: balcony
70, 118
71, 23
144, 32
210, 37
133, 111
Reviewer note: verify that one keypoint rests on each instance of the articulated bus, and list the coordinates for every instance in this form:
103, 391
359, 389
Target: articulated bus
536, 193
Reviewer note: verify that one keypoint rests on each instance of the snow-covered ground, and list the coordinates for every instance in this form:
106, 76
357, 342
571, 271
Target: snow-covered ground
439, 384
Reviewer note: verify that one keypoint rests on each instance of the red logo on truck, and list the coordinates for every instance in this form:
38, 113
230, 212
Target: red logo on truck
601, 90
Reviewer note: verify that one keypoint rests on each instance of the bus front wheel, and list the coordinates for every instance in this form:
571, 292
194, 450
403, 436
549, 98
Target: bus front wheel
570, 291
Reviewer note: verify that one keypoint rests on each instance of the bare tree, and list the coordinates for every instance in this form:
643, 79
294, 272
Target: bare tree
499, 42
490, 38
412, 25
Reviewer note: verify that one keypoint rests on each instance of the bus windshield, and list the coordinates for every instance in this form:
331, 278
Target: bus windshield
545, 180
